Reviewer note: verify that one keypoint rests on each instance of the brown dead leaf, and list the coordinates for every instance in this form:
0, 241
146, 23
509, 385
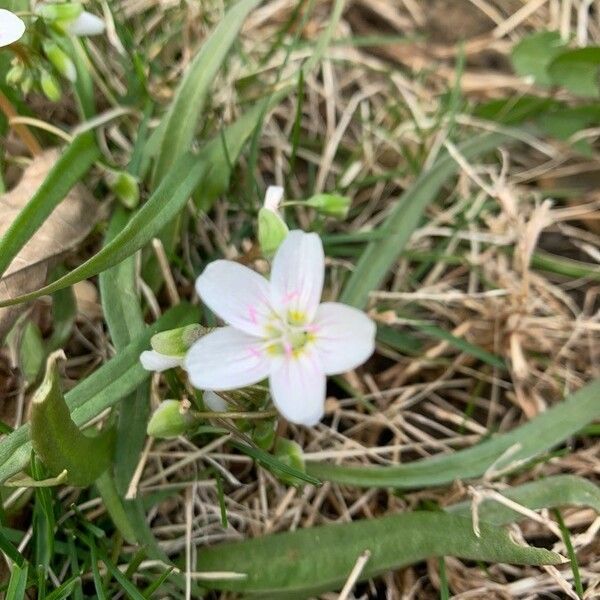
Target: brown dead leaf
68, 225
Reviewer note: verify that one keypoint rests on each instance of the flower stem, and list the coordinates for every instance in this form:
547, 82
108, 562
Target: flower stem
265, 414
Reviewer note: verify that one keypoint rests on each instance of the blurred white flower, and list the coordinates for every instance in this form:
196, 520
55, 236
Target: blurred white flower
86, 24
11, 27
279, 330
155, 361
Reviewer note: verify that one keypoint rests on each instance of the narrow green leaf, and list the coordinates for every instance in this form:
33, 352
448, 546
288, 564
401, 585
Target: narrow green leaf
163, 205
65, 590
380, 255
571, 553
551, 492
275, 464
463, 345
17, 584
501, 452
109, 384
307, 562
178, 126
68, 170
58, 441
123, 315
9, 549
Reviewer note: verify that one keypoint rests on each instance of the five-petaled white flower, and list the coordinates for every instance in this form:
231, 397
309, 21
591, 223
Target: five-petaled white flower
278, 329
11, 27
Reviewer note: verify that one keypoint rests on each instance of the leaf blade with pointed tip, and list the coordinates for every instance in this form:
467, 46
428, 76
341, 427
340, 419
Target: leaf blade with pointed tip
309, 561
58, 441
521, 444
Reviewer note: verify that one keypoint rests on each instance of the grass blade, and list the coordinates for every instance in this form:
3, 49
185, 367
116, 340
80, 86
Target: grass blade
68, 170
513, 448
379, 256
178, 126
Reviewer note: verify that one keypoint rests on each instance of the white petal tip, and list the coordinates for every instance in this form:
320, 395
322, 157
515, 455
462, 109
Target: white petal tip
154, 361
12, 27
273, 197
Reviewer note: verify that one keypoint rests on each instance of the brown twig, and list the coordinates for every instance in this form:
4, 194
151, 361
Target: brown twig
21, 130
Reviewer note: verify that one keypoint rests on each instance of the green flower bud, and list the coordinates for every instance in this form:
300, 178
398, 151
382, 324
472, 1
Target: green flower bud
15, 74
289, 453
125, 187
263, 434
58, 12
176, 342
26, 83
272, 230
331, 205
171, 419
50, 86
60, 60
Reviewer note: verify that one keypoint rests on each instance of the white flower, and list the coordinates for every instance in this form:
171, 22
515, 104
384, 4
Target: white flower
86, 24
278, 330
11, 27
155, 361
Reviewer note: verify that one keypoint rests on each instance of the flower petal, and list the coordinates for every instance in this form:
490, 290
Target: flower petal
155, 361
298, 388
11, 27
237, 294
226, 359
345, 337
86, 24
297, 275
273, 197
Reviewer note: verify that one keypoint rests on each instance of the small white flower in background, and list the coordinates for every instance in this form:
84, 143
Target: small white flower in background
71, 18
273, 198
155, 361
12, 27
86, 24
278, 329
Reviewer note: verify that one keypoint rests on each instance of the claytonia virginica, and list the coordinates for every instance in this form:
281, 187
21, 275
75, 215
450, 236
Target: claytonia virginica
11, 27
278, 329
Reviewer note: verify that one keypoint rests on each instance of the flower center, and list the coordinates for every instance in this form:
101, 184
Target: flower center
289, 335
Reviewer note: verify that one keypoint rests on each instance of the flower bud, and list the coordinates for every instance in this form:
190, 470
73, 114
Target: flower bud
60, 60
176, 342
263, 434
289, 453
65, 11
271, 231
214, 402
125, 187
331, 205
15, 74
171, 419
49, 86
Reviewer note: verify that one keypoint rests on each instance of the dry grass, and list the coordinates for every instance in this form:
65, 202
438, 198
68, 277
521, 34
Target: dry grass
364, 111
